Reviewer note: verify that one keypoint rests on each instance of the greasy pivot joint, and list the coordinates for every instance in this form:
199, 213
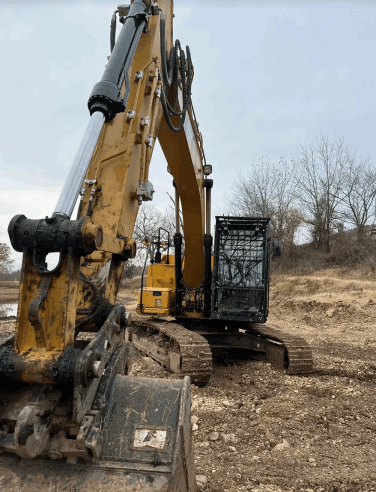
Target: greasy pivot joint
52, 235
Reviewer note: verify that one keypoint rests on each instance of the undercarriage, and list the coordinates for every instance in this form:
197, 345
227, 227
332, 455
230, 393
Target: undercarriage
239, 305
185, 349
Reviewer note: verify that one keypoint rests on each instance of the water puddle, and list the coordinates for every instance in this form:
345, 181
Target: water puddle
7, 310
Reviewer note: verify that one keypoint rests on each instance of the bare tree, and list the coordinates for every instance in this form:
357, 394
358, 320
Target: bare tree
294, 219
6, 263
149, 221
170, 217
253, 194
321, 178
358, 195
268, 190
284, 201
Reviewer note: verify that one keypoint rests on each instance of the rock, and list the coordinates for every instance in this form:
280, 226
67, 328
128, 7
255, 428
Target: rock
204, 444
194, 427
229, 438
231, 448
281, 446
330, 313
269, 435
202, 482
194, 419
214, 436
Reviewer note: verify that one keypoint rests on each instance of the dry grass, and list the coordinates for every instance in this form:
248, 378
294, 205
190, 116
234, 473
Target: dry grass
346, 254
327, 290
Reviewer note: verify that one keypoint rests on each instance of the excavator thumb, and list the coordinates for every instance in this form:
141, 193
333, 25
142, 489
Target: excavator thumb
146, 446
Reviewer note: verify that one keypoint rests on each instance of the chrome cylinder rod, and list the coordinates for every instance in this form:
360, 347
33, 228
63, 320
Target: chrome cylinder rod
77, 173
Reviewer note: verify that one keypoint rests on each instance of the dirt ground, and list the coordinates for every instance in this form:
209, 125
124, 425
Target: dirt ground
256, 429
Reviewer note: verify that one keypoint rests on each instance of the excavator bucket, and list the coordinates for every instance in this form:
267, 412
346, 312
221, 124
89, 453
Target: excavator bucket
146, 446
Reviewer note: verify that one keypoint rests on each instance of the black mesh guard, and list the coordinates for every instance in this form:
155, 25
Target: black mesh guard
241, 269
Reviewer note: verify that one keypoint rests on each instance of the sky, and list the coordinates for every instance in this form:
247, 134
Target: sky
269, 76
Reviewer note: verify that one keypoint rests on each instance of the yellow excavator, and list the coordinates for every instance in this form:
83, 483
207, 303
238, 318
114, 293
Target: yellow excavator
70, 417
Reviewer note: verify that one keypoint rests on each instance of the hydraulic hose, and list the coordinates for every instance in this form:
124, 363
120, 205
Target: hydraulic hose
96, 306
177, 62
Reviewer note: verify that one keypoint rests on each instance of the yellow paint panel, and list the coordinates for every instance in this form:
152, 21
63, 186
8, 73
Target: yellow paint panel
57, 312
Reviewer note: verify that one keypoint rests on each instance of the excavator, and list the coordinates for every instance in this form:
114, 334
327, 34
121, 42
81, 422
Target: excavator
71, 416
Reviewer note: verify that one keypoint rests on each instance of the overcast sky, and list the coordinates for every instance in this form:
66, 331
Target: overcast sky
268, 77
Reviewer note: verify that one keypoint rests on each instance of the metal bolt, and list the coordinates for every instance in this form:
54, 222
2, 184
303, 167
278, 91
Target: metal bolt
130, 115
126, 319
97, 369
138, 75
145, 121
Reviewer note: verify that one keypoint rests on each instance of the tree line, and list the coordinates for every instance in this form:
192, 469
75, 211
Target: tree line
325, 187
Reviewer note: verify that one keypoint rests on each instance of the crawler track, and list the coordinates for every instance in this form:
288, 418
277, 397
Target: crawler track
178, 349
298, 354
